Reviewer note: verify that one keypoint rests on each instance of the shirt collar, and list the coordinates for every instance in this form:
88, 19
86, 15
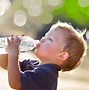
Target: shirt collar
53, 66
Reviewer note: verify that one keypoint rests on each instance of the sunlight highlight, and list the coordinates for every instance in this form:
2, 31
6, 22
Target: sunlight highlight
20, 18
4, 6
83, 3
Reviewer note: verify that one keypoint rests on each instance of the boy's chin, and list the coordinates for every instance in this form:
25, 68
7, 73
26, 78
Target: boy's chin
36, 52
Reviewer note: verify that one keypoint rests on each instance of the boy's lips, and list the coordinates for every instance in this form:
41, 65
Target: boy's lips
38, 45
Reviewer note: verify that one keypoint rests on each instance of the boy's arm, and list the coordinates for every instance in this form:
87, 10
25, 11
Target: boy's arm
4, 60
13, 66
14, 72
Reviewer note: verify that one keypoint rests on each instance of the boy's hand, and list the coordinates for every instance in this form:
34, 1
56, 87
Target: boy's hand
13, 45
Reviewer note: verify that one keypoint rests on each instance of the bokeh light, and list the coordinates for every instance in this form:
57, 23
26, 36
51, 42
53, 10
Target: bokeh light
30, 3
2, 10
35, 10
54, 3
34, 7
83, 3
20, 18
4, 6
26, 3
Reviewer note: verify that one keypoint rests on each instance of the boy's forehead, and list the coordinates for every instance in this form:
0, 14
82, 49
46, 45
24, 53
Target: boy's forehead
50, 32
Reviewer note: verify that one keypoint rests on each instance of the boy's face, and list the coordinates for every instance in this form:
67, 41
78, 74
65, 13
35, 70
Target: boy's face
50, 46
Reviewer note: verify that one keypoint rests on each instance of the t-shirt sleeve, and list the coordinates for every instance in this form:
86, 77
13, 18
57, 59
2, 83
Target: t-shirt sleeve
28, 64
34, 79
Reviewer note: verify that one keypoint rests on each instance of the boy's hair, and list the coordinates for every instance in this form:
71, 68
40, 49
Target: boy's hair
75, 45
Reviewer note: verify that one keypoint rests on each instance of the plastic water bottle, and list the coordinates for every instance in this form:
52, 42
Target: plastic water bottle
27, 43
3, 42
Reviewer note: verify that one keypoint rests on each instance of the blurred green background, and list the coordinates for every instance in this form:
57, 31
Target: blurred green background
34, 18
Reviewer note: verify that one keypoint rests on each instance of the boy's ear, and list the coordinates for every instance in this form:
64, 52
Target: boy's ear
63, 56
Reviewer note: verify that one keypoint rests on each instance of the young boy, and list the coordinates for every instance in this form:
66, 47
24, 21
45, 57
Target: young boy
61, 49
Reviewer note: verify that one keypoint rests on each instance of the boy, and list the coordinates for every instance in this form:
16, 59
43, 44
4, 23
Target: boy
61, 49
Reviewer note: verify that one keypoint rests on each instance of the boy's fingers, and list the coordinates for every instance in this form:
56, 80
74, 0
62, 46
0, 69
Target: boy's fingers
12, 37
18, 39
8, 40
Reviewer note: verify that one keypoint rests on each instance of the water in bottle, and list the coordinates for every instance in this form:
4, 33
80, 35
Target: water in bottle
27, 43
3, 42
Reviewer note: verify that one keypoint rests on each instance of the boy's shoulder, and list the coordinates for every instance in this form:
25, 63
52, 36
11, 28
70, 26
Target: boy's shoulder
35, 65
28, 64
50, 68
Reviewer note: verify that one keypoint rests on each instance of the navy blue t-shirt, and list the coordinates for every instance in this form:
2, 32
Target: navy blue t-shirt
38, 77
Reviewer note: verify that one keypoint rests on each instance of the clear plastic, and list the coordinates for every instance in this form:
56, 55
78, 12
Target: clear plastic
27, 43
3, 42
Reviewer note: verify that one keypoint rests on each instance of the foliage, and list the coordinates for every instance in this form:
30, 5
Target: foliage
75, 12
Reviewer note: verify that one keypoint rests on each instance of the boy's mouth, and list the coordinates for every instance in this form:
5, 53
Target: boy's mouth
38, 45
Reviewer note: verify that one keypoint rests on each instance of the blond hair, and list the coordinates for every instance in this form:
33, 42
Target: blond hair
75, 45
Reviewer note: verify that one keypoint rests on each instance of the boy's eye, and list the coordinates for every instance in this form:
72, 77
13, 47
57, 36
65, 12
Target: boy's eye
50, 39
